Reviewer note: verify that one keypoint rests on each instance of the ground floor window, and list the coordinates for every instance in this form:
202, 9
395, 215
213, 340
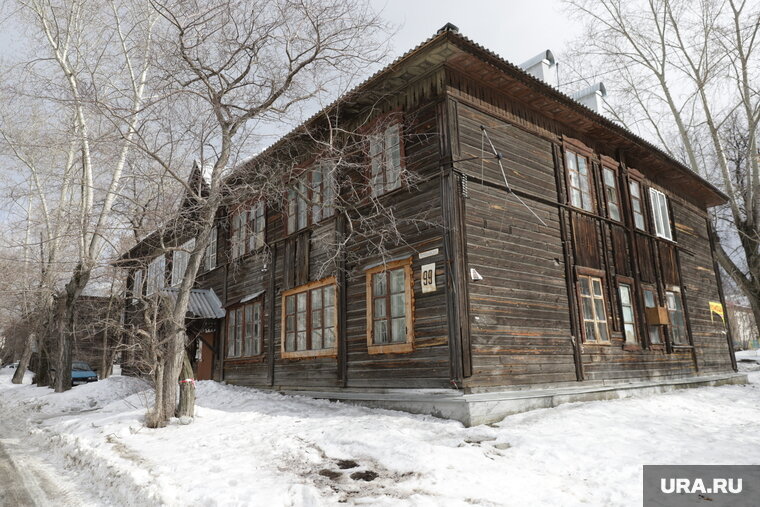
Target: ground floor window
629, 321
650, 301
244, 330
390, 294
309, 320
593, 310
678, 333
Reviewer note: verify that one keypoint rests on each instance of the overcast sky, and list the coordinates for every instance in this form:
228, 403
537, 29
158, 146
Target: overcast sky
514, 29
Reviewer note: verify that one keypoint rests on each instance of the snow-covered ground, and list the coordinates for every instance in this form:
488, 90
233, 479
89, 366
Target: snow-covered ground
248, 447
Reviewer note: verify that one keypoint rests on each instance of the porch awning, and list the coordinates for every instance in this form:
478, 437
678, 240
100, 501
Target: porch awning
204, 303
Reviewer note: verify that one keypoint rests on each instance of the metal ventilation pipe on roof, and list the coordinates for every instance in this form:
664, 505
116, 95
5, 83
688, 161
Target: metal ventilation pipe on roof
543, 66
592, 97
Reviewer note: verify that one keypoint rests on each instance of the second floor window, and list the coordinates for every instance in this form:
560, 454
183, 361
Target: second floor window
311, 197
137, 285
209, 256
611, 193
385, 160
247, 230
180, 259
660, 214
156, 275
579, 181
638, 209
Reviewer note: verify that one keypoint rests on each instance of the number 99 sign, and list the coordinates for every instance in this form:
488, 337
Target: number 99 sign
428, 278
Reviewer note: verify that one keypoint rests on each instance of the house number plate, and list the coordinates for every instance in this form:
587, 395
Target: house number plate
428, 277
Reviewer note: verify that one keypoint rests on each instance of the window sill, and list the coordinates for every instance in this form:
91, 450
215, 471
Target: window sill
306, 354
391, 348
632, 347
598, 344
656, 346
682, 347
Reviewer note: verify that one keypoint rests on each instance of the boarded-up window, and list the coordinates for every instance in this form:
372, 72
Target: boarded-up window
309, 320
586, 241
593, 309
579, 180
390, 307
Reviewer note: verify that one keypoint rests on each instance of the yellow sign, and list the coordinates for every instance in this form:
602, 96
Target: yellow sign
718, 309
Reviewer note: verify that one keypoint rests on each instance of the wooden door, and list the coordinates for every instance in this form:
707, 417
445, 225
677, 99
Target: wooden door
205, 364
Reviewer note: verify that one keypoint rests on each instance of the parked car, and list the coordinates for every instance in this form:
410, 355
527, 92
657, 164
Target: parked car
81, 373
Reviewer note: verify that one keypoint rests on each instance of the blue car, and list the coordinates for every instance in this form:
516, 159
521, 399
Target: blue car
81, 373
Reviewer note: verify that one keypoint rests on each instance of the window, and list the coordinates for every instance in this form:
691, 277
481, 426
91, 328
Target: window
309, 320
638, 210
237, 233
209, 255
156, 275
650, 301
312, 197
629, 323
579, 181
256, 227
180, 259
660, 214
137, 285
678, 333
390, 293
385, 160
593, 309
611, 193
248, 229
244, 330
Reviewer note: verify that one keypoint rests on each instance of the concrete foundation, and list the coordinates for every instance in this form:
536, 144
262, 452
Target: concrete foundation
490, 407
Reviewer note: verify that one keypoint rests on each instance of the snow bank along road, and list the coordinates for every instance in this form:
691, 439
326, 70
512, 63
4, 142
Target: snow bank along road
248, 447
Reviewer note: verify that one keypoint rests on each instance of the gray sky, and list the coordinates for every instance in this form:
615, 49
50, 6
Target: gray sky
514, 29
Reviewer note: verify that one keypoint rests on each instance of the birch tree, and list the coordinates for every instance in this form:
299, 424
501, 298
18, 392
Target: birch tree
687, 74
96, 57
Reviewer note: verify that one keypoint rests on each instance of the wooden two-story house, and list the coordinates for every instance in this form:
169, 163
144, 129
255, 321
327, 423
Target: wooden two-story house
547, 254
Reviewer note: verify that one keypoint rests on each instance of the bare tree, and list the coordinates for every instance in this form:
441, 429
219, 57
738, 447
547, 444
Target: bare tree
96, 57
687, 73
227, 69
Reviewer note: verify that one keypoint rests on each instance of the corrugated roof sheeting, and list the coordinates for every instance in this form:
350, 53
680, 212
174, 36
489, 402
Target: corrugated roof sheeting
203, 304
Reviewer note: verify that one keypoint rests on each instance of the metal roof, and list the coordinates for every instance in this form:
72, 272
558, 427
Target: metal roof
204, 303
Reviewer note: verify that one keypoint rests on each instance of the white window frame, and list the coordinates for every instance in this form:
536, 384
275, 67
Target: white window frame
627, 288
660, 214
180, 258
156, 278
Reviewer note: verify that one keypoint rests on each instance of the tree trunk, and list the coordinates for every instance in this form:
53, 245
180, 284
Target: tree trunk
156, 417
186, 407
23, 364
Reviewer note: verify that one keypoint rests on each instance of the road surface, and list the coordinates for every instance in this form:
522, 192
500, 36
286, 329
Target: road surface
28, 478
